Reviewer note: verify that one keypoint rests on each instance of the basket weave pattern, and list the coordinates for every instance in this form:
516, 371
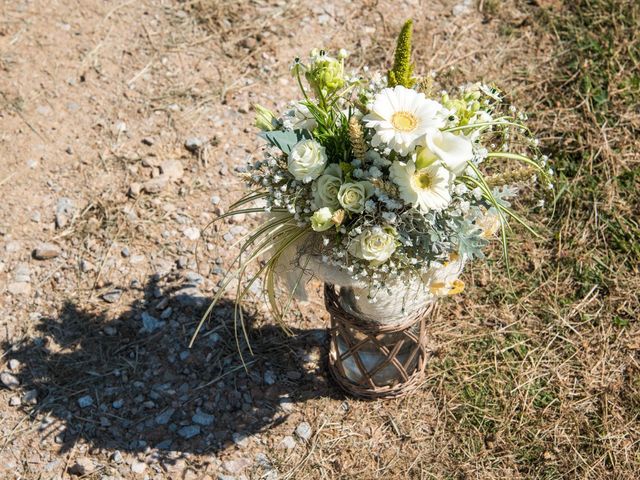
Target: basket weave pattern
398, 368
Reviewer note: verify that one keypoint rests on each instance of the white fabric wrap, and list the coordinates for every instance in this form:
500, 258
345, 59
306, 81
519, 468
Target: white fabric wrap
391, 305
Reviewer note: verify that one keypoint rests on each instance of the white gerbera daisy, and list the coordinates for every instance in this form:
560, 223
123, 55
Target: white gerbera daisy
401, 117
427, 188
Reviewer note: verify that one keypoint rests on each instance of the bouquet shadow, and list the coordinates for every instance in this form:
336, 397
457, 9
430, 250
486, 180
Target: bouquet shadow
113, 385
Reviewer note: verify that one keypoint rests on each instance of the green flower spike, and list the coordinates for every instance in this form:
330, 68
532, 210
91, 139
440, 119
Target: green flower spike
402, 71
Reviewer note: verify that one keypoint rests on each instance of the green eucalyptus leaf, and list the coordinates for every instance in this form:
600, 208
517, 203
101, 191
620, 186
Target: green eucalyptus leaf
287, 139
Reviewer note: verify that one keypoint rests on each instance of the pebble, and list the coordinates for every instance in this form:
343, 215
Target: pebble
203, 419
83, 466
189, 431
113, 296
288, 442
237, 465
138, 467
172, 169
86, 401
304, 431
117, 457
192, 233
64, 211
155, 185
148, 141
30, 397
15, 401
109, 330
46, 251
193, 144
9, 381
150, 323
165, 417
269, 377
125, 252
166, 313
191, 297
240, 439
134, 189
14, 364
194, 278
215, 199
22, 273
118, 404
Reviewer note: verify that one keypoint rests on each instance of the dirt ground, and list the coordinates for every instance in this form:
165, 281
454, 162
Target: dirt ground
123, 125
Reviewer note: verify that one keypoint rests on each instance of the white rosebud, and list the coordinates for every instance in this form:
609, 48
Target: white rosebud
352, 196
375, 245
321, 220
307, 160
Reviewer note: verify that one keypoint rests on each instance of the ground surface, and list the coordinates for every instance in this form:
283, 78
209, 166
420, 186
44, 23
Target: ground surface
539, 378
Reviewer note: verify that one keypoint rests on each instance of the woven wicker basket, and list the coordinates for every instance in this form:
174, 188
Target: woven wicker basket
372, 360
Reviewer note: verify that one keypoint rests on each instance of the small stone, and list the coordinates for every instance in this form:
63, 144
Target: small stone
22, 273
269, 377
286, 404
148, 141
125, 252
240, 439
288, 442
203, 419
166, 313
15, 401
9, 381
86, 266
86, 401
151, 323
192, 233
117, 457
215, 199
36, 217
113, 296
30, 397
83, 466
185, 354
191, 297
304, 431
46, 251
19, 288
165, 417
138, 467
172, 169
194, 278
64, 211
134, 189
237, 465
155, 185
189, 431
110, 330
14, 365
193, 144
118, 404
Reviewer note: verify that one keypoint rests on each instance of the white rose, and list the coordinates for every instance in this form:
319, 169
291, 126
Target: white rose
322, 220
307, 160
375, 245
352, 196
326, 187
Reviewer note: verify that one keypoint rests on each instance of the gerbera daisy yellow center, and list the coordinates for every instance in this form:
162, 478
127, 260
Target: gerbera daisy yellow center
404, 121
423, 180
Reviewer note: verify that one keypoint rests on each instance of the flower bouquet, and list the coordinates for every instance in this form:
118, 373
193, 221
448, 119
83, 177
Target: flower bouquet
384, 190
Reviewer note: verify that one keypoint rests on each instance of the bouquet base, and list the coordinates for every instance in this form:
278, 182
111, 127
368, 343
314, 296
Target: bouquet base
370, 360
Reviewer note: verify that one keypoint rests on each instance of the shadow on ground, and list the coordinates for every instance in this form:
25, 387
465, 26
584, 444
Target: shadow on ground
117, 385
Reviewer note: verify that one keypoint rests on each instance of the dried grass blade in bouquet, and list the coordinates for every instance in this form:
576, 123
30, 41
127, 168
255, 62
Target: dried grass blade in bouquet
384, 193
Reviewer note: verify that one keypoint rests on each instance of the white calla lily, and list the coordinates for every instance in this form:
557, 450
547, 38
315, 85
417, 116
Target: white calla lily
453, 150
